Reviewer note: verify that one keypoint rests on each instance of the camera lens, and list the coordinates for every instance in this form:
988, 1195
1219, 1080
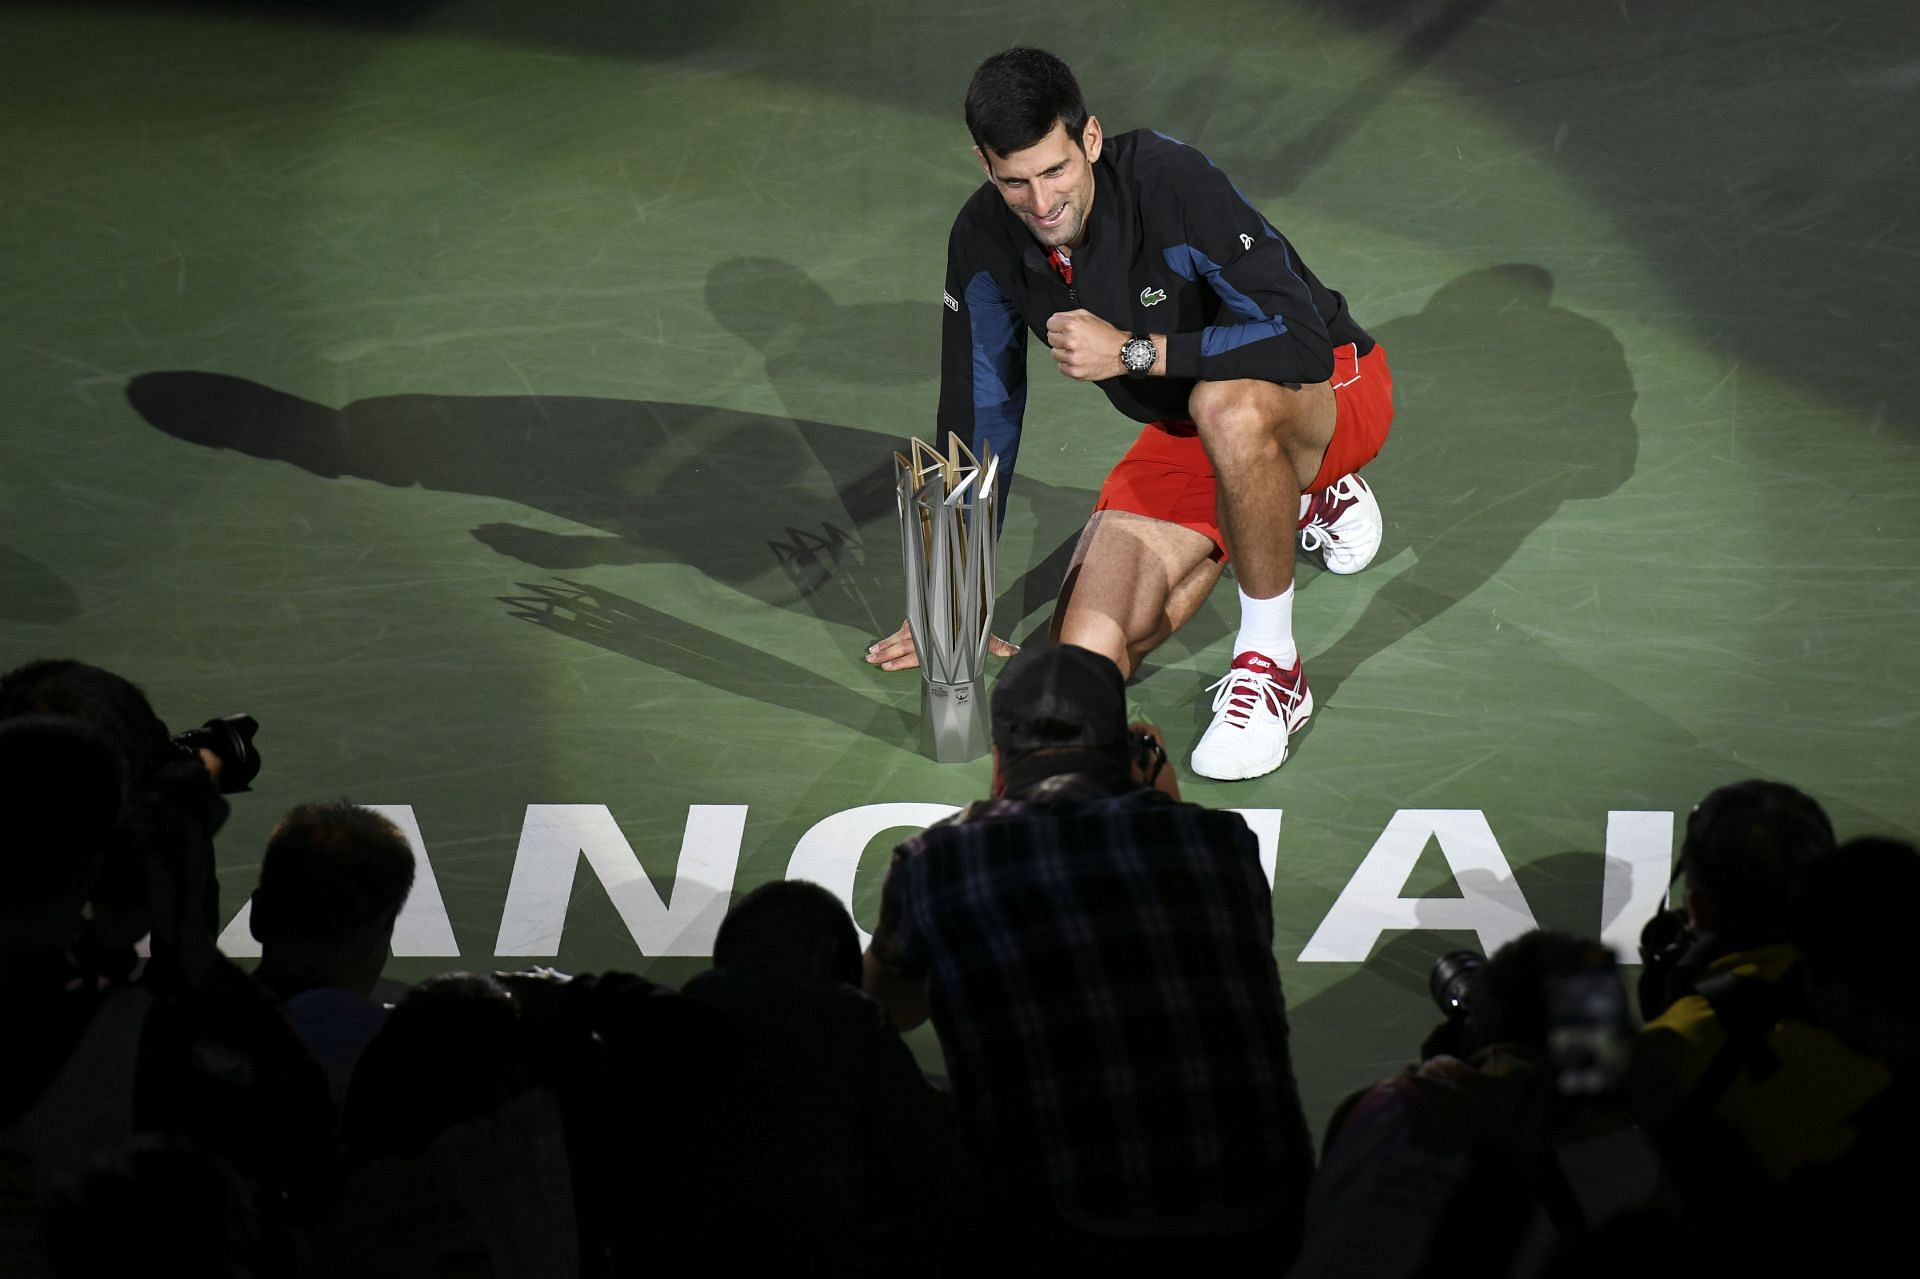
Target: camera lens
1450, 980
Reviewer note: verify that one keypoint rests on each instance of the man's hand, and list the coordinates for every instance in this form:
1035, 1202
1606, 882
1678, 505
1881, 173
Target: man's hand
895, 652
904, 998
178, 813
1086, 347
1156, 771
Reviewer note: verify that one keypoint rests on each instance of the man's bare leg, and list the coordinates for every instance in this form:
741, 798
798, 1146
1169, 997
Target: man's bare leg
1266, 442
1134, 581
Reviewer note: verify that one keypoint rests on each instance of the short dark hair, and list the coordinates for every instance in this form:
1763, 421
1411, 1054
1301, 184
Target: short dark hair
1110, 764
60, 793
790, 928
111, 705
330, 870
1016, 97
454, 1050
1060, 708
1852, 920
1746, 849
1511, 999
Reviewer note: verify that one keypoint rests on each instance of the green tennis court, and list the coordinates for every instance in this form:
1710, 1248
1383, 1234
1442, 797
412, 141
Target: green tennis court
497, 401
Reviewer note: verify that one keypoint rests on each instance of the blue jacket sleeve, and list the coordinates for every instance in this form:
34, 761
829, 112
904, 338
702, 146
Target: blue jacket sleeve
1267, 326
983, 359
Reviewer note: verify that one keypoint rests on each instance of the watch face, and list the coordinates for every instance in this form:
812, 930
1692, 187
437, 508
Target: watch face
1137, 355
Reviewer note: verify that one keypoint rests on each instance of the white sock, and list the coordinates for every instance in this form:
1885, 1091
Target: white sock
1266, 627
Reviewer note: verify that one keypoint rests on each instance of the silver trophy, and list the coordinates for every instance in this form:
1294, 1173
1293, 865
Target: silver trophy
949, 510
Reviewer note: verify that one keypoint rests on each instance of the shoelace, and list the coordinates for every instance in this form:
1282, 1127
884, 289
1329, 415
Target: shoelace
1241, 690
1318, 531
1315, 536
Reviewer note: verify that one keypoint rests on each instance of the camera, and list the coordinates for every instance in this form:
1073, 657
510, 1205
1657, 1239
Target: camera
1672, 958
230, 739
1451, 981
1589, 1036
1149, 756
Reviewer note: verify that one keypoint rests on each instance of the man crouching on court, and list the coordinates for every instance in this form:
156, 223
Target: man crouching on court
1097, 960
1147, 273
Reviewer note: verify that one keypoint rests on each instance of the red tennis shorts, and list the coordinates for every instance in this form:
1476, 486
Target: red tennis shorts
1166, 474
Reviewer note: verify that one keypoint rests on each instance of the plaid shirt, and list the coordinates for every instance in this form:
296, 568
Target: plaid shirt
1099, 968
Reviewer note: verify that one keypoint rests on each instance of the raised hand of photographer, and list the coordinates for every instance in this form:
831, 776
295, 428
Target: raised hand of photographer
1151, 767
178, 815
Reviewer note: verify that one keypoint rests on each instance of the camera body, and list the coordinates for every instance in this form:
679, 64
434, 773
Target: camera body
1586, 1035
1149, 756
1673, 956
229, 738
1589, 1035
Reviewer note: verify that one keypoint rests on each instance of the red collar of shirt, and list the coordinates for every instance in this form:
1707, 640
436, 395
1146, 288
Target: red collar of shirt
1061, 263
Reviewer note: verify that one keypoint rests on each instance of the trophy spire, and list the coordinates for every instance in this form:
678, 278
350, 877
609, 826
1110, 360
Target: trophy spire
949, 509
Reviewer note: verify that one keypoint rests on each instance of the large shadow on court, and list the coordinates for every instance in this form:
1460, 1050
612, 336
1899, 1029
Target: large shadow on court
812, 343
618, 624
779, 509
799, 515
33, 593
808, 338
1507, 407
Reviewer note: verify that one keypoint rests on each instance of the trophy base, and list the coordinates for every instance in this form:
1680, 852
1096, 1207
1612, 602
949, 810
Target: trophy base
953, 721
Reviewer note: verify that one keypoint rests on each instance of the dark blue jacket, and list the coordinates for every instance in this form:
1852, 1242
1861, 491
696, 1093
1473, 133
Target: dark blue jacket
1172, 247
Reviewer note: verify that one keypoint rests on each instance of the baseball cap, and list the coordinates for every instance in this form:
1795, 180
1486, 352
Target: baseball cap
1059, 696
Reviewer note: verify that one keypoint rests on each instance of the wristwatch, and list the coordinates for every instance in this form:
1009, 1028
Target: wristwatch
1138, 355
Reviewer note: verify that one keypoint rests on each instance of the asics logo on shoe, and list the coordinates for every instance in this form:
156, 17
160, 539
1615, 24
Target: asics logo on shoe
1256, 705
1254, 678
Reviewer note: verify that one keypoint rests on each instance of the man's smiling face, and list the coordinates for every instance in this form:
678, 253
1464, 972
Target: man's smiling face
1049, 185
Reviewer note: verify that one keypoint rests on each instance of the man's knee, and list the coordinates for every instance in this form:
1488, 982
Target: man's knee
1248, 419
1233, 410
1126, 581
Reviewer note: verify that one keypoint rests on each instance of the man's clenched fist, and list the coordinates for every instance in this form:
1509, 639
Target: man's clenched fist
1085, 346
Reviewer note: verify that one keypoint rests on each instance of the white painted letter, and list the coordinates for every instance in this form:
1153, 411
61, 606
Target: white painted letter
1265, 823
423, 928
236, 940
556, 836
1639, 867
1490, 903
829, 854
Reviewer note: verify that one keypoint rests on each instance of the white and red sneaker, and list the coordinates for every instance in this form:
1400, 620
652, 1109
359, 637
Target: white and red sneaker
1342, 525
1255, 706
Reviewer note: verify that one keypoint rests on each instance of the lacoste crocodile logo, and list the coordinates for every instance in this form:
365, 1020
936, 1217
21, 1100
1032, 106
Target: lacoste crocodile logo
1151, 296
